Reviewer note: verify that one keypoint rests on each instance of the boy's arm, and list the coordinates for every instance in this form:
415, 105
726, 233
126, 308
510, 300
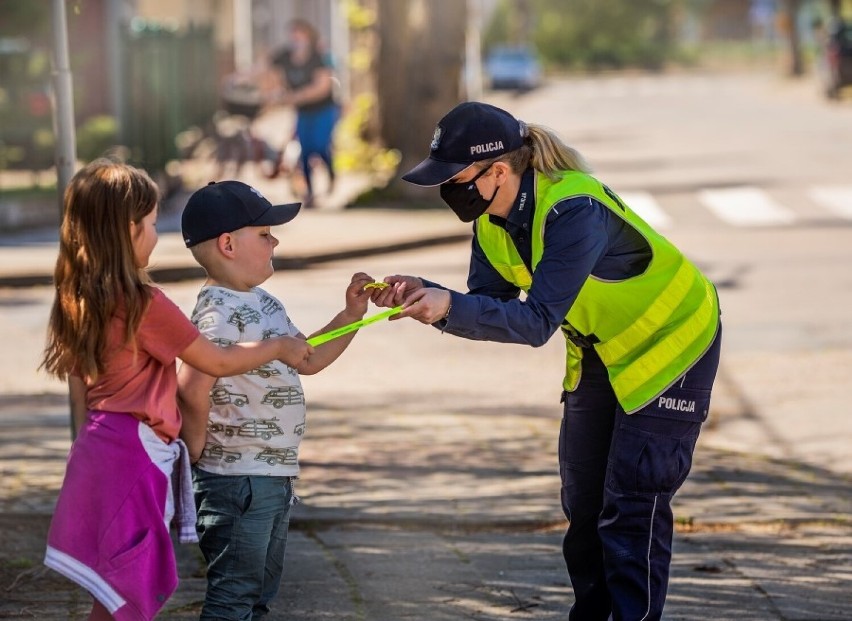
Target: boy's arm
356, 306
328, 352
194, 401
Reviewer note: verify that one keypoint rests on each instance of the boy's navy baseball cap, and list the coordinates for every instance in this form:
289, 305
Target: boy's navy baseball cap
470, 132
225, 206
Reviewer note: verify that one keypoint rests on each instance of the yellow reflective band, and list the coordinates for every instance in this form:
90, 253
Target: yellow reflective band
376, 285
656, 315
319, 339
497, 245
656, 359
573, 366
519, 275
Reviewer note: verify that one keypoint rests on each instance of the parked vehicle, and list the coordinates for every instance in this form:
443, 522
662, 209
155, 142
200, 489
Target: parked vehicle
512, 68
836, 59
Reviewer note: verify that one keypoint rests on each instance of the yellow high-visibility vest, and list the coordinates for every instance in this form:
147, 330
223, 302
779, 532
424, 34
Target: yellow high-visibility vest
648, 329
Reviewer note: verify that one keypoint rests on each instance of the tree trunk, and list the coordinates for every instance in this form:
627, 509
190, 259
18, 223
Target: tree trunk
796, 65
419, 71
834, 8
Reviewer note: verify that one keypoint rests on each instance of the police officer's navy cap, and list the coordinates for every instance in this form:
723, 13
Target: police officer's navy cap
226, 206
470, 132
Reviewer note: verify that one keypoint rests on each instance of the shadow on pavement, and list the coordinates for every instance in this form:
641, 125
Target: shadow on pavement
409, 504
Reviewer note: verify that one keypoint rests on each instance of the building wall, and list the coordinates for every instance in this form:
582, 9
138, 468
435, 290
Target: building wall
269, 19
86, 45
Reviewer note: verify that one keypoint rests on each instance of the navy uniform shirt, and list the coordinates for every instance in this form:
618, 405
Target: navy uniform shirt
582, 237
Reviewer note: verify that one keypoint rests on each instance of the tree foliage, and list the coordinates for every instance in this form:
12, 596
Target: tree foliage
594, 35
24, 18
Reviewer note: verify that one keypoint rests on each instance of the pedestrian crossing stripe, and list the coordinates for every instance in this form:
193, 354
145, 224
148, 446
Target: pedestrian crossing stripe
748, 206
647, 208
837, 199
745, 206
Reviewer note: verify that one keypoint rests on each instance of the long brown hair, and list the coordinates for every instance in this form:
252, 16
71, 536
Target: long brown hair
96, 272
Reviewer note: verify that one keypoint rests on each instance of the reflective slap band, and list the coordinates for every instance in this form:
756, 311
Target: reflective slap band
376, 285
319, 339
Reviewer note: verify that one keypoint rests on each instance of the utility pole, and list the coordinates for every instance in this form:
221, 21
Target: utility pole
63, 103
243, 43
63, 118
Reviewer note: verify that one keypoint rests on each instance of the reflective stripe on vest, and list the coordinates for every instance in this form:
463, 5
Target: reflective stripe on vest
651, 327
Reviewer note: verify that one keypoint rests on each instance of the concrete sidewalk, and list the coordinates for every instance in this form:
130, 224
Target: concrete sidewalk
434, 499
397, 525
318, 235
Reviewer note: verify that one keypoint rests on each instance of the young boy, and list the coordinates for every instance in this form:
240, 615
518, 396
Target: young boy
243, 477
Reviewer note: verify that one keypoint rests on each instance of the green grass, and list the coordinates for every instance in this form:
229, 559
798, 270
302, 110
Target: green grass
29, 192
740, 54
18, 563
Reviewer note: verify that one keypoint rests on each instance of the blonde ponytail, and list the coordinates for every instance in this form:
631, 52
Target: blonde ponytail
544, 151
551, 156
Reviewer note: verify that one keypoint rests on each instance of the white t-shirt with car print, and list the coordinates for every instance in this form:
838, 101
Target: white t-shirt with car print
257, 419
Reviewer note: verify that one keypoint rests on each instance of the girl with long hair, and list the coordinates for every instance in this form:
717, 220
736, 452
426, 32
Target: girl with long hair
115, 337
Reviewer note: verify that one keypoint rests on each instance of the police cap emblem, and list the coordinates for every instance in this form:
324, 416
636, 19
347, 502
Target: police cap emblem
436, 138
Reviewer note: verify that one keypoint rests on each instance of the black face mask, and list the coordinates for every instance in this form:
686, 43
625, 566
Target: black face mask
464, 198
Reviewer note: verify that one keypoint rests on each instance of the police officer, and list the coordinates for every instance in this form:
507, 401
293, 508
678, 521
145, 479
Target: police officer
641, 327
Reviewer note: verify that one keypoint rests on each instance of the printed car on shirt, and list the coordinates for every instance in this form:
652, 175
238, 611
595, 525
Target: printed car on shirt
221, 396
217, 451
243, 316
265, 371
279, 397
283, 456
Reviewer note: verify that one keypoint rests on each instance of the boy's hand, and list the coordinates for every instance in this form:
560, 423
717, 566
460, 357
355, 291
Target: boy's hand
293, 351
357, 297
400, 288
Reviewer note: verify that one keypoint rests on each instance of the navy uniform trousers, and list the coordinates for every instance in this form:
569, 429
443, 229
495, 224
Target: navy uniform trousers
619, 473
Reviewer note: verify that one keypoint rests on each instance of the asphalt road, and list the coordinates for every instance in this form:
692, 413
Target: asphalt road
668, 141
737, 171
749, 175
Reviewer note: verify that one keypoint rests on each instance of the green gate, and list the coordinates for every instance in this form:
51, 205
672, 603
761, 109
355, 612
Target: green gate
169, 85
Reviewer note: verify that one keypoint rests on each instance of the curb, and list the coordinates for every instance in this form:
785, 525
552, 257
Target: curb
300, 262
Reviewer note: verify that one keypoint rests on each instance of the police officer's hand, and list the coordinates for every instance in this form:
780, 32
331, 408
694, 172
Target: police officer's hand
400, 288
427, 305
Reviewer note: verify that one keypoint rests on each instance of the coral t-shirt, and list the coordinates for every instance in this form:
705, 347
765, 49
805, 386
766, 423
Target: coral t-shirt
144, 382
